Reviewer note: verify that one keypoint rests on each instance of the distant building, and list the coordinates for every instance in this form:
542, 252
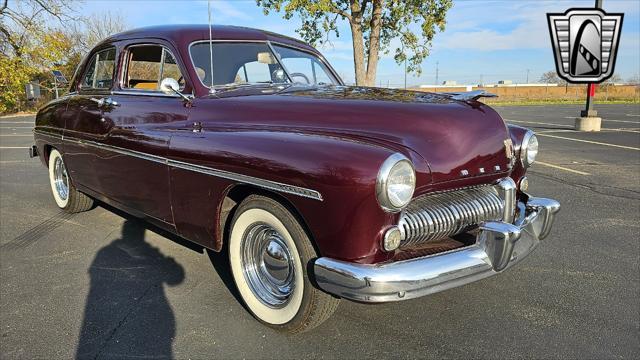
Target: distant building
505, 82
449, 83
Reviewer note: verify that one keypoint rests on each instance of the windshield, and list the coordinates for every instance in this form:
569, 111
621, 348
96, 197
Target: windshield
236, 64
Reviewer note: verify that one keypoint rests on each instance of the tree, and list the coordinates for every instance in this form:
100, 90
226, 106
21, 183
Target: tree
87, 32
29, 44
374, 25
551, 77
614, 79
97, 27
37, 36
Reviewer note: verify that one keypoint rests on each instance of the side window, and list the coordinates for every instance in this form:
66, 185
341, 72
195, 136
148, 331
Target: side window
300, 69
170, 69
303, 67
148, 65
99, 73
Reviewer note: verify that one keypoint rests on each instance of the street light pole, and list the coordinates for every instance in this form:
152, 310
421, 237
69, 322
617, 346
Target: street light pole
589, 120
405, 73
437, 69
55, 86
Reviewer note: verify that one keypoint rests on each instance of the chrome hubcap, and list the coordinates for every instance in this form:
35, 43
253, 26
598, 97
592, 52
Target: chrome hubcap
267, 265
60, 179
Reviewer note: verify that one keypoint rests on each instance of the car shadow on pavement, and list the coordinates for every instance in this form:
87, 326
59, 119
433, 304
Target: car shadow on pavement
127, 313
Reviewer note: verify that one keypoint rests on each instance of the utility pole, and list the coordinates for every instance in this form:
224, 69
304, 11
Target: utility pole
589, 120
437, 70
405, 73
527, 76
55, 86
481, 80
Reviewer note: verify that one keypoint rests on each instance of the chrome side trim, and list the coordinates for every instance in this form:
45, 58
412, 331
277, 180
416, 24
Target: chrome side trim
498, 246
143, 93
245, 179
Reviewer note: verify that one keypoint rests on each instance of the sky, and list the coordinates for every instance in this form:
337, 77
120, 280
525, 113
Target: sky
484, 41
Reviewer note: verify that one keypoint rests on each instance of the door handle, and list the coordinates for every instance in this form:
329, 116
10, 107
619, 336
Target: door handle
105, 102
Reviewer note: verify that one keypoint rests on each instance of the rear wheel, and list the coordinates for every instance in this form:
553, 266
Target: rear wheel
270, 254
64, 193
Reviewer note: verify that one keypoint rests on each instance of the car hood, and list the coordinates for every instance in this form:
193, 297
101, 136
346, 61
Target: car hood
457, 139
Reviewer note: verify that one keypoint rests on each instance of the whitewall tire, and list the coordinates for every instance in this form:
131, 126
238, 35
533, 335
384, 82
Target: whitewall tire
269, 254
64, 193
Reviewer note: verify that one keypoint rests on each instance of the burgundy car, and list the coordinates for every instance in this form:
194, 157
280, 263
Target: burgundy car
250, 143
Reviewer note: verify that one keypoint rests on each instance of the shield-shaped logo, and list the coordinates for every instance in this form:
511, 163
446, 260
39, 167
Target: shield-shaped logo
585, 42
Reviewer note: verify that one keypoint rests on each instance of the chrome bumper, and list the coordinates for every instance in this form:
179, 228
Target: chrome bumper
499, 245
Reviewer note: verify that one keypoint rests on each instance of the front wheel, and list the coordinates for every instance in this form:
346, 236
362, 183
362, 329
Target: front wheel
64, 193
269, 254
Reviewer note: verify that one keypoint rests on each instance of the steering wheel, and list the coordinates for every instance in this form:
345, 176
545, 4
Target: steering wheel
302, 76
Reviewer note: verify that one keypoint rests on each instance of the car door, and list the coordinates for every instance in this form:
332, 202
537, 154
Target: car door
133, 168
85, 124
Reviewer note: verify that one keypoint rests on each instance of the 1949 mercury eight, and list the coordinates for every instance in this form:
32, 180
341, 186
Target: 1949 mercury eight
250, 143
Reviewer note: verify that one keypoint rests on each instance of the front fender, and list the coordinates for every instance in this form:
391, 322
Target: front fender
346, 222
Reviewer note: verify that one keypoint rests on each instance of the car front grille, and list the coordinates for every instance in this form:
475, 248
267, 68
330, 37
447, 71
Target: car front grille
440, 215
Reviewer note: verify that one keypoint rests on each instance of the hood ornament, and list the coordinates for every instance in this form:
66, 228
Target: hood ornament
471, 95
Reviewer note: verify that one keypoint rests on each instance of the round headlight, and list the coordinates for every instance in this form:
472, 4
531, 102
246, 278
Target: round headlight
529, 150
396, 183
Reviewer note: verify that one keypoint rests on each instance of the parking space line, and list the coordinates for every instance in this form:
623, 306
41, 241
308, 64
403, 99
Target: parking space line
592, 142
16, 116
562, 168
16, 122
610, 120
631, 130
633, 115
538, 123
14, 147
16, 127
16, 135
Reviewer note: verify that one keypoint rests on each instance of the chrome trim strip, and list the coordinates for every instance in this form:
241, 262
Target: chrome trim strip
143, 93
498, 246
245, 179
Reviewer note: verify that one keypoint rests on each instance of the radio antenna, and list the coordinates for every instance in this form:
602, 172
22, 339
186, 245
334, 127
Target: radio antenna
212, 90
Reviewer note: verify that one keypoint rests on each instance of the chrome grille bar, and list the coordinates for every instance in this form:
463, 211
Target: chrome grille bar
440, 215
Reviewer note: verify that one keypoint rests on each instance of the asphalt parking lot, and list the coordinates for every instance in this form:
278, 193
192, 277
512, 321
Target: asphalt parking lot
101, 285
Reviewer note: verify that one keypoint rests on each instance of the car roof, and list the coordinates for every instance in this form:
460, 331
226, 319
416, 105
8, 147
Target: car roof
186, 34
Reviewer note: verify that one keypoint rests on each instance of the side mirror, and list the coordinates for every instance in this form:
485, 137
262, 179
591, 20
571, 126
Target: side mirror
170, 86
